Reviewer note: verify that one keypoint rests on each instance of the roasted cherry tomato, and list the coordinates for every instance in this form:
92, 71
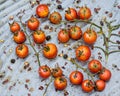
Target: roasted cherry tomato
55, 18
44, 71
105, 74
84, 13
95, 66
50, 51
100, 85
83, 53
57, 72
60, 83
87, 86
42, 10
39, 36
33, 23
19, 37
63, 36
71, 14
76, 77
75, 32
90, 36
22, 51
14, 27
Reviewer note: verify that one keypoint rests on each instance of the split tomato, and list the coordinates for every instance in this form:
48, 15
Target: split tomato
63, 36
44, 71
39, 36
14, 27
22, 51
19, 37
76, 77
100, 85
83, 53
50, 51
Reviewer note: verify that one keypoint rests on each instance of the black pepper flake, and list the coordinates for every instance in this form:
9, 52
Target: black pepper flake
101, 23
12, 61
26, 86
48, 37
65, 56
63, 67
59, 7
41, 88
97, 10
66, 93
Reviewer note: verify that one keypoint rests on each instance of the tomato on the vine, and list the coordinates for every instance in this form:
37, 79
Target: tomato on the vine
100, 85
42, 10
44, 71
57, 72
90, 36
105, 74
87, 86
63, 36
60, 83
75, 32
95, 66
83, 53
84, 13
22, 50
76, 77
71, 14
19, 37
39, 36
33, 23
50, 51
55, 18
14, 27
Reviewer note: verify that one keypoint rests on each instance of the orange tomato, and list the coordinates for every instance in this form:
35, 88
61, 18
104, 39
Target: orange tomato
14, 27
100, 85
57, 72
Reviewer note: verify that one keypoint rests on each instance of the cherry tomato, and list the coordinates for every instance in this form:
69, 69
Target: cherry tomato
57, 72
87, 86
19, 37
44, 71
83, 53
42, 10
22, 51
95, 66
84, 13
63, 36
105, 74
50, 51
55, 18
60, 83
33, 23
71, 14
39, 36
75, 32
14, 27
76, 77
90, 36
100, 85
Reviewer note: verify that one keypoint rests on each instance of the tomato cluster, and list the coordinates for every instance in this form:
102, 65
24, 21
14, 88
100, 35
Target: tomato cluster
50, 50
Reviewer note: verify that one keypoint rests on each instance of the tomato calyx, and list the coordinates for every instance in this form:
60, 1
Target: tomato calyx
46, 48
80, 53
62, 79
89, 84
20, 47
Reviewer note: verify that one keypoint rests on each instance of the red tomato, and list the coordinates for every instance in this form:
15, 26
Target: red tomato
75, 32
60, 83
87, 86
71, 14
44, 71
57, 72
83, 53
39, 36
63, 36
55, 18
100, 85
14, 27
33, 23
42, 10
76, 77
90, 36
84, 13
50, 51
19, 37
105, 74
22, 51
95, 66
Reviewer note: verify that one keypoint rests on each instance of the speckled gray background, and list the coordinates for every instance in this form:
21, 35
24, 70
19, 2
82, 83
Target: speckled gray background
18, 75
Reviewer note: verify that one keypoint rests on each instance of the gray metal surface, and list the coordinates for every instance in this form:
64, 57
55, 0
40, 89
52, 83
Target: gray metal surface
18, 75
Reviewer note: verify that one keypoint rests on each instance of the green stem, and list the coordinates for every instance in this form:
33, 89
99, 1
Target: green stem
115, 35
114, 51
